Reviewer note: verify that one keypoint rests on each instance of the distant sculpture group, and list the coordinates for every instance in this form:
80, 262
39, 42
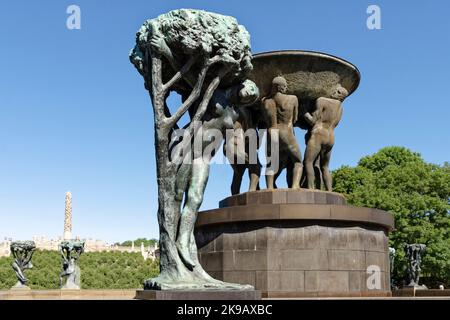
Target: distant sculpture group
70, 250
22, 252
391, 266
413, 254
70, 253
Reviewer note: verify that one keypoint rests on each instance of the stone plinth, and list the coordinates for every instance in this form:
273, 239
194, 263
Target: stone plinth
198, 295
414, 292
283, 196
295, 243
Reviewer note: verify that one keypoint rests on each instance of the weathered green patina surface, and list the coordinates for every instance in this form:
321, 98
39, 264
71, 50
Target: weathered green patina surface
22, 252
70, 253
194, 53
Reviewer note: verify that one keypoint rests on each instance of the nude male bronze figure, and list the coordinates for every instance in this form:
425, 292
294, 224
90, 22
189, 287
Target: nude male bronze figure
241, 149
323, 119
280, 112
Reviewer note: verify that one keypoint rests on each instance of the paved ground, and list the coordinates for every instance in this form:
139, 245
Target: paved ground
369, 298
130, 294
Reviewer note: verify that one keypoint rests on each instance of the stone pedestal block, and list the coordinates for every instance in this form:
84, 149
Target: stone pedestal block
198, 295
296, 243
91, 294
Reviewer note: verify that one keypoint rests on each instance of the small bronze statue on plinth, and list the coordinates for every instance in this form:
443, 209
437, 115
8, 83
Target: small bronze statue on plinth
70, 253
392, 254
22, 252
413, 255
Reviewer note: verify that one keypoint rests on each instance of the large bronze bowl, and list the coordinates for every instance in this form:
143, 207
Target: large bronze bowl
309, 75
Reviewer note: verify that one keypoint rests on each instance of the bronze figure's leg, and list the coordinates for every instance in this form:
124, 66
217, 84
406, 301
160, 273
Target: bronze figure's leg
311, 153
19, 273
325, 156
194, 198
238, 173
270, 179
254, 172
297, 169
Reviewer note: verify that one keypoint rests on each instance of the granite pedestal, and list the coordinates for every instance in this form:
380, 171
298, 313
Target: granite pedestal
198, 295
296, 243
91, 294
420, 292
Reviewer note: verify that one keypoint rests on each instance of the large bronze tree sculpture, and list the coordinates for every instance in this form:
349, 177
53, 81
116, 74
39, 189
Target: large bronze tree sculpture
193, 53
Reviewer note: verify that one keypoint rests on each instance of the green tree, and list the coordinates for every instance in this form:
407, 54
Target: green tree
138, 242
417, 193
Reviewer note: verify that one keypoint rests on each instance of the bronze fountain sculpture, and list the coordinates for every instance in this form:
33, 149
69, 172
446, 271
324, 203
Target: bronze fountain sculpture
255, 238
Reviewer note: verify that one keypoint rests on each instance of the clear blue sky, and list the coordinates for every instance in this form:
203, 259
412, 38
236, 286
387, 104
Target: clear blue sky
74, 114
